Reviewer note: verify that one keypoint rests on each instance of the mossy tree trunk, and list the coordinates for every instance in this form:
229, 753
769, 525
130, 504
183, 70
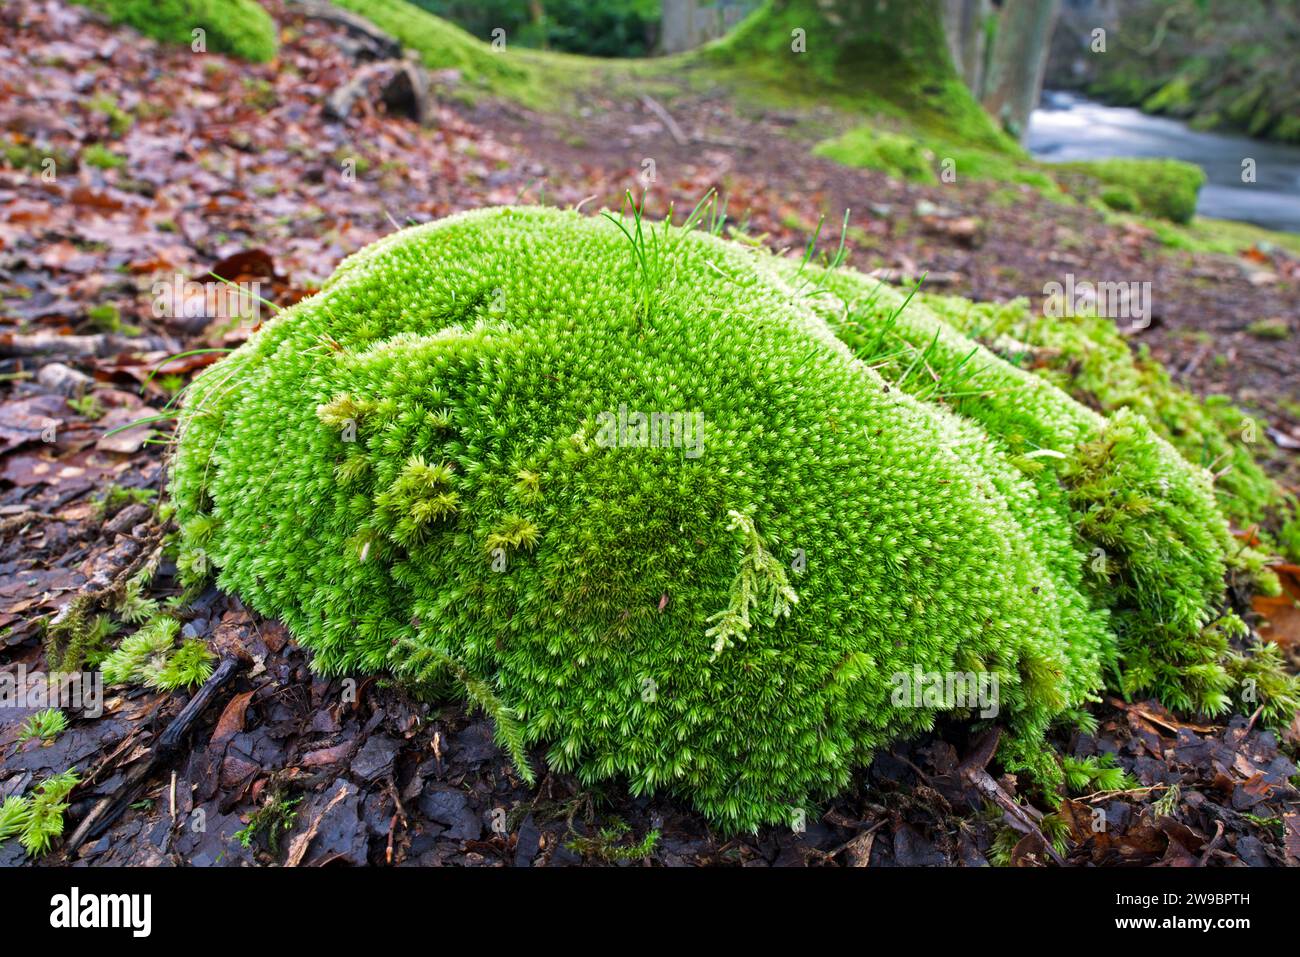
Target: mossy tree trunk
925, 57
890, 35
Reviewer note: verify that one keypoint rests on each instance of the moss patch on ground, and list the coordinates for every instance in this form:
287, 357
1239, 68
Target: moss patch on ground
1165, 188
1154, 187
924, 161
1223, 236
240, 28
625, 486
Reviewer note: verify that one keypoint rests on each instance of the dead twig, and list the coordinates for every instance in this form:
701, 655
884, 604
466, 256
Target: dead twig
112, 806
1024, 819
664, 117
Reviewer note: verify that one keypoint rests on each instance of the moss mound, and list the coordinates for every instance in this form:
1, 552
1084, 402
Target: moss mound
891, 153
238, 27
902, 156
1159, 187
624, 484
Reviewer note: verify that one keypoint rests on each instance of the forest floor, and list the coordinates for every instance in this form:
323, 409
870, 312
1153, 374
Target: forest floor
173, 164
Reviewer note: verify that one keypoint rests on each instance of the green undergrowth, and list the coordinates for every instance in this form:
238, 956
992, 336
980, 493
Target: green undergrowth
624, 485
530, 77
241, 28
1215, 63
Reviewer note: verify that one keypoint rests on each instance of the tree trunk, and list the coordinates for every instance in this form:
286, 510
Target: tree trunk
963, 22
677, 25
1014, 78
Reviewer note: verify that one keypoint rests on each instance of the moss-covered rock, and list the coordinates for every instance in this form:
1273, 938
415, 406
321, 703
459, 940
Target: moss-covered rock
238, 27
624, 484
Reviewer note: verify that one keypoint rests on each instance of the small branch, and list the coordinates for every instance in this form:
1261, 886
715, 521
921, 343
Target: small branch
105, 344
112, 806
664, 117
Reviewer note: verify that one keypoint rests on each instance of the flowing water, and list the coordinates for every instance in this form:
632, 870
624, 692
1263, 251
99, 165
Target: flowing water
1069, 127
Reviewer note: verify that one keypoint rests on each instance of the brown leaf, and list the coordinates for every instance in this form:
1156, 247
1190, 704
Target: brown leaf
247, 264
231, 721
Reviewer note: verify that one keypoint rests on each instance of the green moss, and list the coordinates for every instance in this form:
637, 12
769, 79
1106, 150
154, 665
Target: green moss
1157, 543
421, 469
1161, 187
101, 157
1220, 236
892, 153
149, 657
925, 161
445, 46
45, 725
594, 627
24, 154
1120, 199
1088, 358
1276, 328
37, 818
863, 57
238, 27
119, 120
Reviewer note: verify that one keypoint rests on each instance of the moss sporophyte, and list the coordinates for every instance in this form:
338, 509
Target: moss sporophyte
471, 457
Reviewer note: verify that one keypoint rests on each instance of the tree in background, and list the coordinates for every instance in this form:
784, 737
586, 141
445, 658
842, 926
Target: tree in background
906, 52
1012, 80
911, 52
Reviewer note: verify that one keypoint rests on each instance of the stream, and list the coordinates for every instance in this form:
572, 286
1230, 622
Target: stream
1067, 126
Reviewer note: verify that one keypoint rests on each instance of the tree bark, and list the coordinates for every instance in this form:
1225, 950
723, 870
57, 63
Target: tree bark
1014, 80
677, 25
963, 23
